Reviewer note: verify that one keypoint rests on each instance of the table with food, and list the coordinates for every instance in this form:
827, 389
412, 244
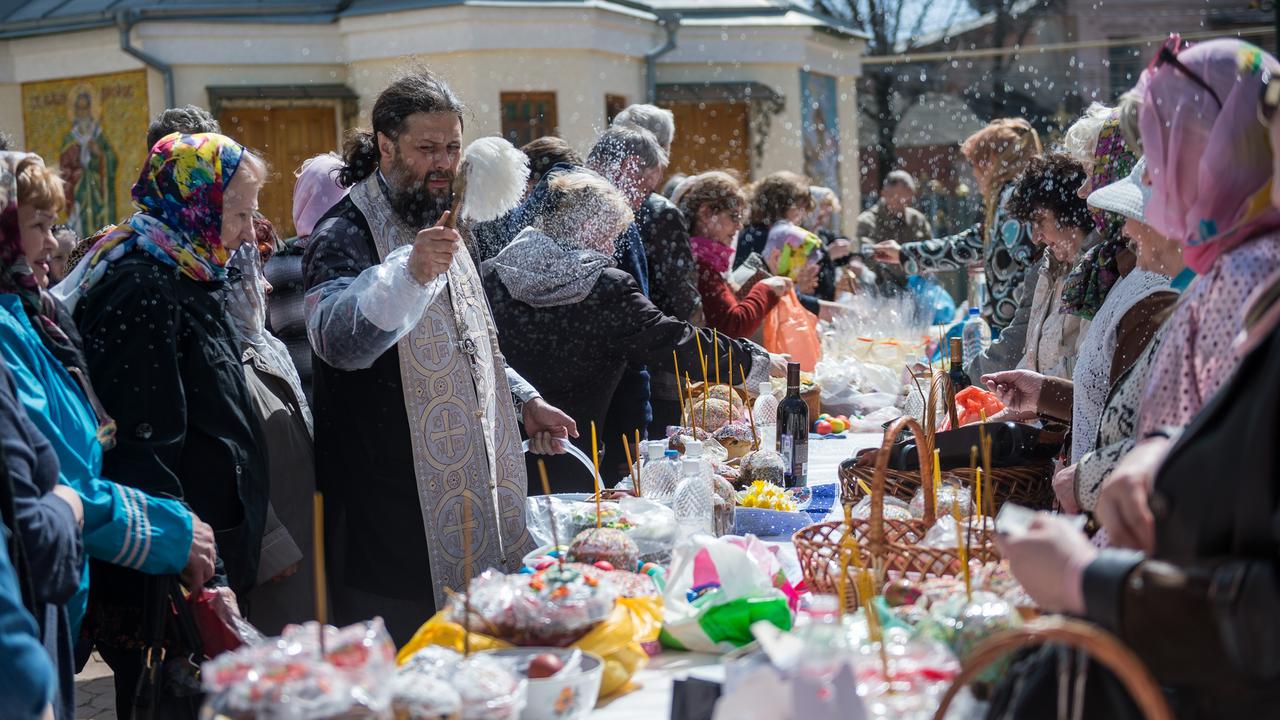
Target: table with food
818, 547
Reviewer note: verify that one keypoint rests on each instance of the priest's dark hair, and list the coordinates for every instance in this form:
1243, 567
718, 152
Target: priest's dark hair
415, 91
187, 119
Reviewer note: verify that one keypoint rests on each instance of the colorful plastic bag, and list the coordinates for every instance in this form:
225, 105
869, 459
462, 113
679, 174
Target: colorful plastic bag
717, 588
789, 329
617, 640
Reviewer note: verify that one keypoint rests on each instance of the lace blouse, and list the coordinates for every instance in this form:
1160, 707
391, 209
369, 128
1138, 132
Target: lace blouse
1093, 371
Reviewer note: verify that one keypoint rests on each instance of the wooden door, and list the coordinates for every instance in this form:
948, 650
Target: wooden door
710, 136
285, 137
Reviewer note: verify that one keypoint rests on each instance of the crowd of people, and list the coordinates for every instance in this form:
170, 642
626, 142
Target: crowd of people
178, 385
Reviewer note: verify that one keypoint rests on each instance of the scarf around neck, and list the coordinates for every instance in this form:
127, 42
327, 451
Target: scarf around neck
1098, 270
714, 254
247, 308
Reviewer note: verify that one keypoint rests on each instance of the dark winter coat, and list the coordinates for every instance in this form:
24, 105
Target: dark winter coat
165, 362
576, 353
1201, 611
286, 310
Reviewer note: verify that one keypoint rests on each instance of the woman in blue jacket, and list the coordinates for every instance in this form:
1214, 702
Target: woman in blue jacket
41, 348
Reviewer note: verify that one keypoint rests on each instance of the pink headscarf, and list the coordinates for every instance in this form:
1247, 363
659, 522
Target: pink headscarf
316, 191
1210, 166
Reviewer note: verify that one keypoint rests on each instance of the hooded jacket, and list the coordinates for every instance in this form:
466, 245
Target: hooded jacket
570, 323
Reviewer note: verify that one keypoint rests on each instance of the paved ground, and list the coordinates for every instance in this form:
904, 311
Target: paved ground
95, 693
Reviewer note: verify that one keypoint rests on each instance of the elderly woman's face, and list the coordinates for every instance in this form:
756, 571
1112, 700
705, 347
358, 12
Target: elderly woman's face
35, 233
1063, 241
238, 204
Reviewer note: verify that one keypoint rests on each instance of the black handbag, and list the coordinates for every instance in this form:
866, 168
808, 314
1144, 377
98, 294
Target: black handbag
169, 685
1055, 682
1012, 445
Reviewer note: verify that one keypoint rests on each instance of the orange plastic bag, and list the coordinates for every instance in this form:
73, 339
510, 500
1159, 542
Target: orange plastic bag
789, 329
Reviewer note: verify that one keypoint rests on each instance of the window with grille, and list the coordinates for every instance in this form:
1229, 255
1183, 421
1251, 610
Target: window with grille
527, 116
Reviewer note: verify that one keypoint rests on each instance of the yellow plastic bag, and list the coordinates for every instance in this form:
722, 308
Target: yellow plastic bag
617, 640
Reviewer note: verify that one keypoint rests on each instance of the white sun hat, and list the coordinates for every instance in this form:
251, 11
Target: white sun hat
1127, 196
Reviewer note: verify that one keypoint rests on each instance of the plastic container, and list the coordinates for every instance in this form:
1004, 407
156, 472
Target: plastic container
660, 477
765, 410
568, 695
694, 500
976, 335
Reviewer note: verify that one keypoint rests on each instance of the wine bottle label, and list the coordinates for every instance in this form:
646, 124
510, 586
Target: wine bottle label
798, 465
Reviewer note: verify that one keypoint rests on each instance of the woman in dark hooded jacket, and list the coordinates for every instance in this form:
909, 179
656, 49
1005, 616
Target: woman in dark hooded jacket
570, 321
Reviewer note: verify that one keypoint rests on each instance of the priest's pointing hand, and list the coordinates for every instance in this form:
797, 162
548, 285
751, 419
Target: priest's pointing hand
433, 251
546, 424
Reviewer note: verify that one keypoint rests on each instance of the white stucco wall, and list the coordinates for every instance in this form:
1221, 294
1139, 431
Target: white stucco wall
579, 54
579, 78
774, 56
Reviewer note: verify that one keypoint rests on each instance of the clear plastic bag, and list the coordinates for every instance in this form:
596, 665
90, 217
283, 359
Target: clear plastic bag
552, 608
287, 678
651, 525
436, 679
948, 495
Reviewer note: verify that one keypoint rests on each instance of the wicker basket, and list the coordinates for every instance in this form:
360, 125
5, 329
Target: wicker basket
1096, 643
888, 546
1028, 485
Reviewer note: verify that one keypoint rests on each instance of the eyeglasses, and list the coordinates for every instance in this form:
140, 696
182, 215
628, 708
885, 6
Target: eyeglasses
1169, 55
1269, 98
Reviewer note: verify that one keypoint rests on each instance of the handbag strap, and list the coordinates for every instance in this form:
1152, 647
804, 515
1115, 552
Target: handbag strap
924, 448
1095, 642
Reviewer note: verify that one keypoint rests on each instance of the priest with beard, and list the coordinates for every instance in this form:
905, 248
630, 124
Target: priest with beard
418, 446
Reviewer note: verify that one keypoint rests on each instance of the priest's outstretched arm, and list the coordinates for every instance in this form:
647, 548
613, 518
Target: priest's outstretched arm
357, 308
521, 390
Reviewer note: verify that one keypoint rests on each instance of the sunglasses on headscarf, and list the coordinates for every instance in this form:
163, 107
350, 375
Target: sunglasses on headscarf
1269, 98
1168, 55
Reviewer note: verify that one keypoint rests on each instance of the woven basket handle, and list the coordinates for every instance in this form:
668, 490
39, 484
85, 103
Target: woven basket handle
1097, 643
940, 378
925, 450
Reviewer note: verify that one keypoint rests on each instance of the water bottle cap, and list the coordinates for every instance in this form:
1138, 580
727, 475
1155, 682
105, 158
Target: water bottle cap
672, 454
691, 466
656, 449
766, 388
693, 449
973, 311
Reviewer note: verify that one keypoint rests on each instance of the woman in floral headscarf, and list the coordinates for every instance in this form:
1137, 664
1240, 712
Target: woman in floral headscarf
150, 299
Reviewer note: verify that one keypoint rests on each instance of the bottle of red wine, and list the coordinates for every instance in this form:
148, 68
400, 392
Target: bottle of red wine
959, 380
793, 432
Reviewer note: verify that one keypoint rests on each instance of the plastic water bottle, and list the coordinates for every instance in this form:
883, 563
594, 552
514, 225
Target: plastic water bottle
766, 408
694, 449
694, 502
977, 286
976, 334
660, 476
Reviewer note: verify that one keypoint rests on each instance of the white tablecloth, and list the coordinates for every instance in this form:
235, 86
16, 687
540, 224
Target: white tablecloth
652, 699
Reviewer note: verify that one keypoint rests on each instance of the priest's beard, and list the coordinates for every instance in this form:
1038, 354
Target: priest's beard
411, 199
